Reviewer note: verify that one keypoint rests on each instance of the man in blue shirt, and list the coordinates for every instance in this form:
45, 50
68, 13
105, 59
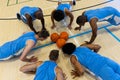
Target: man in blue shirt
108, 14
47, 70
61, 12
87, 56
29, 14
22, 46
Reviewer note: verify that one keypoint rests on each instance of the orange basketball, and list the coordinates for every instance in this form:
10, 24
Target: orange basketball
60, 42
64, 35
54, 37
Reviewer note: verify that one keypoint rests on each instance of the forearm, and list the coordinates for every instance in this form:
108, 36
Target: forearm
77, 65
25, 59
52, 19
53, 23
71, 20
43, 23
93, 24
92, 39
29, 22
29, 68
31, 27
80, 70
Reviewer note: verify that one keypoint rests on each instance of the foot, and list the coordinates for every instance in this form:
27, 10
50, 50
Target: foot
18, 16
74, 2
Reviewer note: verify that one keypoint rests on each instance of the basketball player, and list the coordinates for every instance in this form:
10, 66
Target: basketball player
29, 14
108, 14
22, 46
61, 12
45, 70
86, 55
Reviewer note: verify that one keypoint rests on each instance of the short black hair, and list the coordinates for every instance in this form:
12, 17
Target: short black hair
80, 19
68, 48
54, 55
58, 15
43, 33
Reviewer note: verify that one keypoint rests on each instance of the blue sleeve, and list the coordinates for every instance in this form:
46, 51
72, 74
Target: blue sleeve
29, 34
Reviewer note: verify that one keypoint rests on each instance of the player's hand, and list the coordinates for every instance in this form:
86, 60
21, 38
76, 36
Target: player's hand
65, 77
69, 26
53, 26
87, 42
33, 59
76, 73
78, 28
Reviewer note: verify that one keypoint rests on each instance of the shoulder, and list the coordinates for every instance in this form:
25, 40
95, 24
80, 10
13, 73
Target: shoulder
58, 69
67, 11
93, 20
28, 16
30, 42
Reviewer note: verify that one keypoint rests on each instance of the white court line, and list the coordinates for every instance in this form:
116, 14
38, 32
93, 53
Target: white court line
50, 7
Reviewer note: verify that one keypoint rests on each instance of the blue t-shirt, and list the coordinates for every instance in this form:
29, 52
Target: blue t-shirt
46, 71
12, 47
63, 6
28, 10
103, 14
89, 59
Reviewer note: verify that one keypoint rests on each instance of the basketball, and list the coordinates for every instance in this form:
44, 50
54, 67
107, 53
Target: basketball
60, 43
54, 37
64, 35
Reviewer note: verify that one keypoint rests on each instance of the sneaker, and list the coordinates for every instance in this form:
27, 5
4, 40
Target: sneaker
18, 16
74, 2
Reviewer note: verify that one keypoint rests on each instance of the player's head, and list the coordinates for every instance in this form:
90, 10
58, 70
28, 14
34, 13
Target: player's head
43, 34
58, 15
81, 20
54, 55
68, 48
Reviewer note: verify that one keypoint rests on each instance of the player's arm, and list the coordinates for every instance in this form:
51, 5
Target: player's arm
29, 22
30, 68
59, 74
52, 19
29, 46
68, 13
94, 47
78, 69
43, 23
93, 24
42, 18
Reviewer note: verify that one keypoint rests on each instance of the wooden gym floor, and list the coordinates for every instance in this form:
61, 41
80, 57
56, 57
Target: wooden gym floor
11, 28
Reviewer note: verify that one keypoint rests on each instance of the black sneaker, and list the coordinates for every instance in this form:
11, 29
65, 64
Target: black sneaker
74, 2
18, 16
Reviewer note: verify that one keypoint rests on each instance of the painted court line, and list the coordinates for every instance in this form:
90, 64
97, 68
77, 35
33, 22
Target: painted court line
80, 34
118, 39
